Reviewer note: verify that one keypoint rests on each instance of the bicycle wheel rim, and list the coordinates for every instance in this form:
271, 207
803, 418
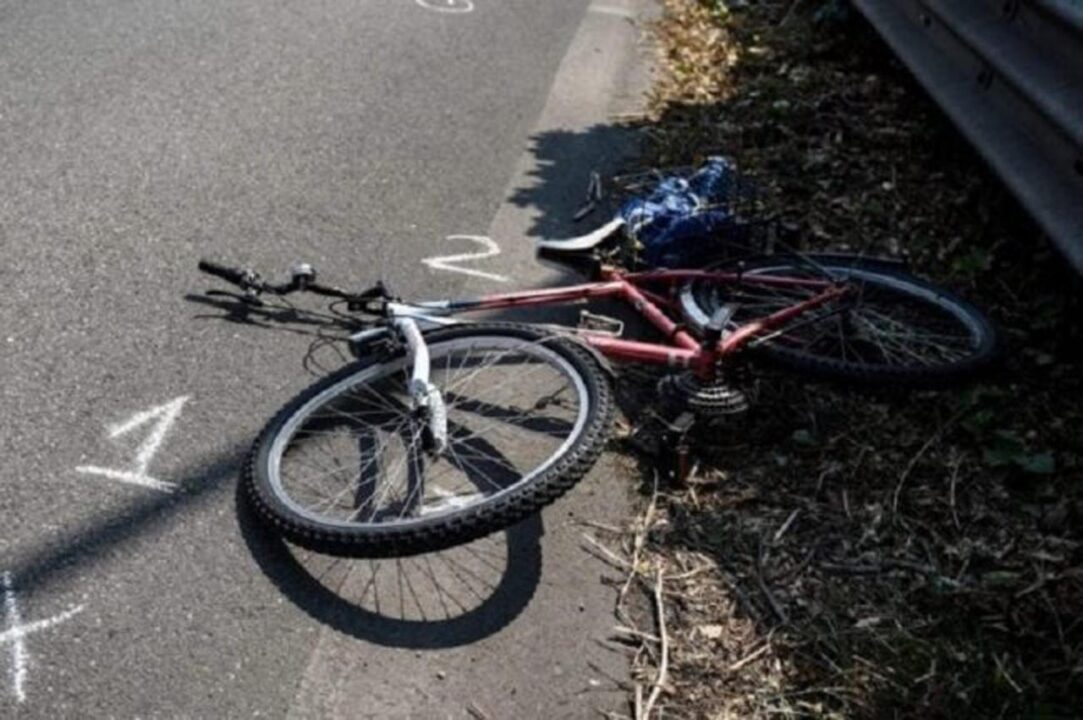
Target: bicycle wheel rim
699, 300
442, 353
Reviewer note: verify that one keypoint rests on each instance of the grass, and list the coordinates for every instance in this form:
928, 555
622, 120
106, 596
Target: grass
840, 555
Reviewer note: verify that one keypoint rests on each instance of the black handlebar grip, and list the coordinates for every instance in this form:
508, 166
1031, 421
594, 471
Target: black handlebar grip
228, 274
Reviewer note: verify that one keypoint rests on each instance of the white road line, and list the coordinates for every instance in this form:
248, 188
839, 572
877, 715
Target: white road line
447, 6
611, 10
17, 632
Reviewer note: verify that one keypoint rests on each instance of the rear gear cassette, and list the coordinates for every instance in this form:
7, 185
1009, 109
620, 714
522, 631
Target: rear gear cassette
710, 399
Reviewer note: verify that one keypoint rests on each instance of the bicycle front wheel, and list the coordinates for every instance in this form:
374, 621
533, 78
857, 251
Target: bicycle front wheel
890, 330
345, 467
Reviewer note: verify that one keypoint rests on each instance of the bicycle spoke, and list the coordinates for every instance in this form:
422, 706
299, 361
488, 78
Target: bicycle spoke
360, 457
884, 320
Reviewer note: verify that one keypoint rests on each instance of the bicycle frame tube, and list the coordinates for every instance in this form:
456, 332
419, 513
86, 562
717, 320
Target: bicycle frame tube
684, 350
530, 298
674, 276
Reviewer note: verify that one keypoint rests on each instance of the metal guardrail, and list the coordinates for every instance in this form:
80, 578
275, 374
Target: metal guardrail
1009, 74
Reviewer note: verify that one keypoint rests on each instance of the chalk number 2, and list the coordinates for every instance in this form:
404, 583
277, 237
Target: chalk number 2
451, 263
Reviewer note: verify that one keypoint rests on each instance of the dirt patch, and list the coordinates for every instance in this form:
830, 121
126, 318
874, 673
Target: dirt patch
836, 554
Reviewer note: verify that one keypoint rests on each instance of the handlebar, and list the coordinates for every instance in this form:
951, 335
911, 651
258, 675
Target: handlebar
303, 279
231, 275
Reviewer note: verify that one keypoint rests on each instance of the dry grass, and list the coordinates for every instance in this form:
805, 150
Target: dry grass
838, 555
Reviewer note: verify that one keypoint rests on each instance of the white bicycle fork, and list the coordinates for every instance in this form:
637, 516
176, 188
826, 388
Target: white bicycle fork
424, 396
407, 322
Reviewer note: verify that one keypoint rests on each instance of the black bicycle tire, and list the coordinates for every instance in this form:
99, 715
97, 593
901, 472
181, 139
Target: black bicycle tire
880, 376
447, 529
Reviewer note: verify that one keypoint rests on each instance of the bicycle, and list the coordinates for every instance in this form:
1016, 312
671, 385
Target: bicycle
444, 430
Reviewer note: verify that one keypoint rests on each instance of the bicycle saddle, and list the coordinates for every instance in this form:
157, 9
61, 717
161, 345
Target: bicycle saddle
584, 242
576, 254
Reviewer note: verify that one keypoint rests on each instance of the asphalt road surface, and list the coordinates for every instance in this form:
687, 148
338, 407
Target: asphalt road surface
358, 136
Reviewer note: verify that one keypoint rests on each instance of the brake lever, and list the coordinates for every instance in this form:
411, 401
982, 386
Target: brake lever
372, 301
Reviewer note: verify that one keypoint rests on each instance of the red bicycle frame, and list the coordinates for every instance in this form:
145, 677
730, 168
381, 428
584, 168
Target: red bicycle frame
683, 350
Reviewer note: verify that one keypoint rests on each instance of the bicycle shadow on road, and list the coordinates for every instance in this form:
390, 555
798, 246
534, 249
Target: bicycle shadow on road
564, 161
436, 600
83, 545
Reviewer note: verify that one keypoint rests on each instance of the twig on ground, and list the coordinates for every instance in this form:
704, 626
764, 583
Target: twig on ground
786, 525
933, 439
751, 657
604, 554
602, 526
891, 564
1005, 674
955, 465
636, 632
476, 712
663, 663
776, 608
639, 539
689, 574
742, 599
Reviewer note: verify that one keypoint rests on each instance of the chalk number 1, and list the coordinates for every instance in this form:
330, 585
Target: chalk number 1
159, 420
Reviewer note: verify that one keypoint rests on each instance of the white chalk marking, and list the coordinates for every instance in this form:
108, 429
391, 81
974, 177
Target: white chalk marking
17, 632
446, 262
447, 6
165, 415
128, 477
610, 10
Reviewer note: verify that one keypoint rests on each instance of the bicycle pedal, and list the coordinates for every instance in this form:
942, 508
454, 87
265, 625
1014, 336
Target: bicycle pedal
600, 324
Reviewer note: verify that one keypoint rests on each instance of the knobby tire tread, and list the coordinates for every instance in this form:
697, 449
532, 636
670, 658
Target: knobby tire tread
458, 528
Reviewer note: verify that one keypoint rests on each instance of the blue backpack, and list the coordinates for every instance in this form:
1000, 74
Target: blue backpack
681, 217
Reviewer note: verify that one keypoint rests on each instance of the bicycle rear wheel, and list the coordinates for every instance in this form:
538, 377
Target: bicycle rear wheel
890, 329
344, 468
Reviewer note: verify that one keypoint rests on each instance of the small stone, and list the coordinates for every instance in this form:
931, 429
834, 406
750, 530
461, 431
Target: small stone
711, 632
440, 674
